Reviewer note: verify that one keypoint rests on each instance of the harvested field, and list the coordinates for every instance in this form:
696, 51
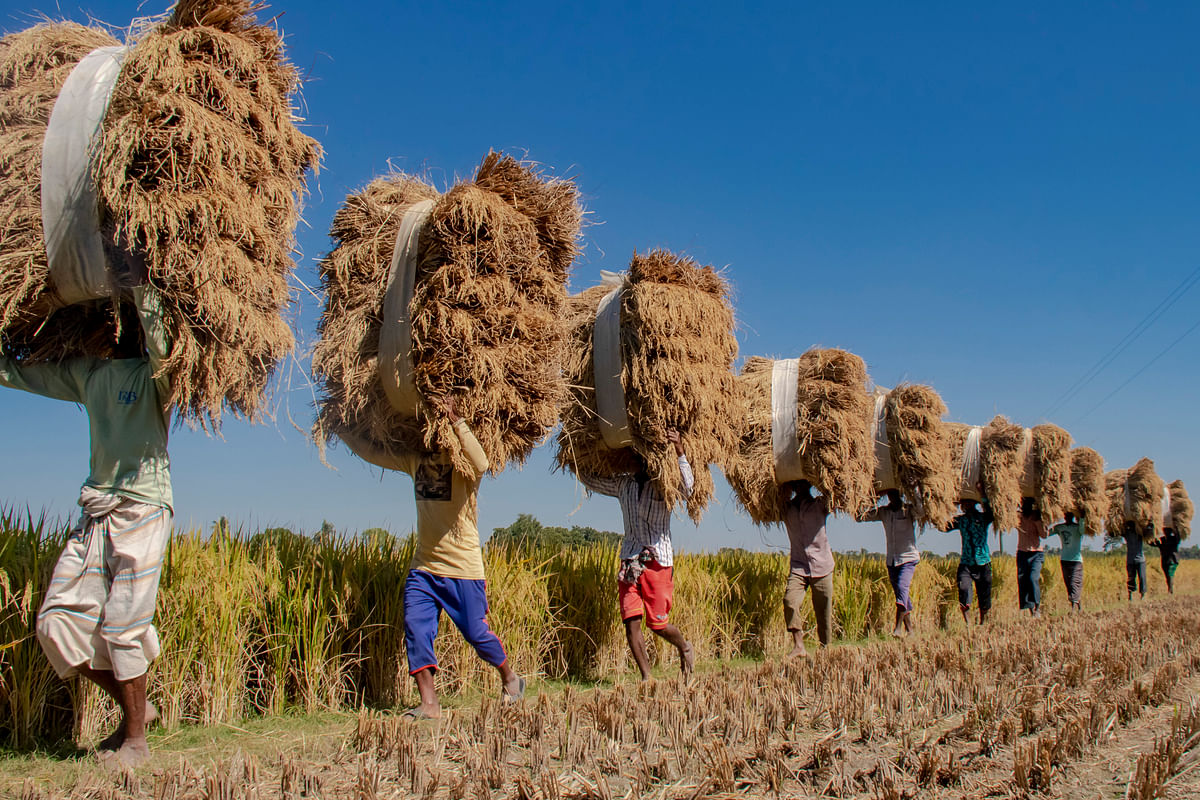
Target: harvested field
1015, 709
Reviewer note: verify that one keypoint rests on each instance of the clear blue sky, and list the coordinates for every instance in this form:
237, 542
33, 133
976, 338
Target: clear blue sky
985, 198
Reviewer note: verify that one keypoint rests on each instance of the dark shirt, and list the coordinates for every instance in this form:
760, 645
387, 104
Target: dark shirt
974, 525
1133, 545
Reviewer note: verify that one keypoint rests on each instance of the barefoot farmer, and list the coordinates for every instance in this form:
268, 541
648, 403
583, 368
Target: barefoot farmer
1071, 533
811, 564
97, 617
645, 582
899, 529
446, 573
975, 561
1030, 556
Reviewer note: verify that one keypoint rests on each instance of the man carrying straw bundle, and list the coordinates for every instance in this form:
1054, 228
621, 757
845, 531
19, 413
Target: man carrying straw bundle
1135, 560
899, 529
447, 568
975, 562
1071, 557
1168, 549
811, 564
97, 616
1030, 557
645, 582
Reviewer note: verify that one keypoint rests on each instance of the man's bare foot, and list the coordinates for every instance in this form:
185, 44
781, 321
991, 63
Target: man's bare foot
797, 652
114, 740
897, 631
423, 711
514, 690
687, 660
130, 755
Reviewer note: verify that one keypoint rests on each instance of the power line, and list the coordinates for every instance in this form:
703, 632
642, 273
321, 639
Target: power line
1135, 375
1120, 347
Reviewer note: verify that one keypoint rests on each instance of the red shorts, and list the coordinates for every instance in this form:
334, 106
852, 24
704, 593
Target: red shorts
650, 596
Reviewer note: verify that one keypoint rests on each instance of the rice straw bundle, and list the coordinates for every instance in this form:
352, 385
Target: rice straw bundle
198, 169
1002, 449
676, 357
1181, 509
833, 426
1136, 496
1088, 501
486, 312
1047, 474
920, 452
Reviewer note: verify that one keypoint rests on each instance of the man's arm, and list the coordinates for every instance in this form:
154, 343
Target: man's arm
158, 341
470, 445
63, 381
610, 487
685, 468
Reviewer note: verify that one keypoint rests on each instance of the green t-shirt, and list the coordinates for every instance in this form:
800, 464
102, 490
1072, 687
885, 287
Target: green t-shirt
974, 525
1072, 540
126, 417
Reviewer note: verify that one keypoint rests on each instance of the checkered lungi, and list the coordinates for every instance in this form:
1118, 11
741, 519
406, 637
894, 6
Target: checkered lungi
99, 607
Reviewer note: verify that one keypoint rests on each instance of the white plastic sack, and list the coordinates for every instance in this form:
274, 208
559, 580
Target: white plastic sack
608, 366
395, 339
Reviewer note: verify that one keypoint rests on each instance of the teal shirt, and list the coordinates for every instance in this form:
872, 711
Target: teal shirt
974, 526
1072, 540
127, 420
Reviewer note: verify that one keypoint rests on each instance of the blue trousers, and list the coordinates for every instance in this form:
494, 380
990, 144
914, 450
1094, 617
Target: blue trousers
463, 600
1029, 578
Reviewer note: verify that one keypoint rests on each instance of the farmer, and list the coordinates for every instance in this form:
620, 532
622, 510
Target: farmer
1168, 548
1071, 533
97, 616
1135, 561
811, 563
899, 530
1030, 556
446, 573
975, 563
645, 580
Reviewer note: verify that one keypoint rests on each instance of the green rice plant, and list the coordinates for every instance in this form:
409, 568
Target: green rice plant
582, 595
859, 583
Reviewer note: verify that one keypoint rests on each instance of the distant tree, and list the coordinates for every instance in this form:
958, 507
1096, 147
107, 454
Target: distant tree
527, 531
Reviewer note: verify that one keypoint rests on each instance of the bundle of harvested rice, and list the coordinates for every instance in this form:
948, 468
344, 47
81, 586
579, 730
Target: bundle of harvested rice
485, 267
993, 456
1087, 489
1046, 476
1136, 496
197, 168
827, 442
1114, 494
650, 352
919, 451
1181, 509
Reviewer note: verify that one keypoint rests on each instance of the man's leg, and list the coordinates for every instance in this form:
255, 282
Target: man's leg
421, 612
657, 588
822, 596
793, 617
965, 582
1035, 581
906, 575
637, 646
466, 604
984, 590
1141, 574
894, 579
1130, 579
1023, 594
114, 689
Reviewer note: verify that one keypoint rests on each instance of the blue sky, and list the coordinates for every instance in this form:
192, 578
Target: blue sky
984, 198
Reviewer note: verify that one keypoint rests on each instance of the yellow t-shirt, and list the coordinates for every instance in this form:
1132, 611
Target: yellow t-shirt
447, 512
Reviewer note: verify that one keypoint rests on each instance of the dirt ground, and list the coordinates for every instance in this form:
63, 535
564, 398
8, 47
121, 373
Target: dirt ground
1060, 707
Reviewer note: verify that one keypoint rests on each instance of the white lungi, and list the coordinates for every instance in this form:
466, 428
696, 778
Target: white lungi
99, 607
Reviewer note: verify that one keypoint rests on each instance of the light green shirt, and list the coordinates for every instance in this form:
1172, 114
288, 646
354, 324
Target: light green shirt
127, 420
1072, 540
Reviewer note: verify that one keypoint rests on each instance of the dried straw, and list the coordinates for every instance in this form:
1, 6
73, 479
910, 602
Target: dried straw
1087, 489
486, 313
1181, 509
677, 351
1002, 464
920, 451
1114, 493
199, 171
1050, 463
833, 421
34, 64
1145, 495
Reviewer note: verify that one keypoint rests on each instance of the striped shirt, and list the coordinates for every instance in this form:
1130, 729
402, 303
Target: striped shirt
647, 518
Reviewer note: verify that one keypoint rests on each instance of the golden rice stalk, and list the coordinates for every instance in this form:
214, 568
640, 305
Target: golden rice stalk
1114, 493
199, 171
1087, 489
1145, 490
1000, 453
486, 312
1050, 454
1181, 509
834, 425
677, 351
34, 64
920, 452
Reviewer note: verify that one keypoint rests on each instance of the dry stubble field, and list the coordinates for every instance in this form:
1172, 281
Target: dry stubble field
1100, 704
